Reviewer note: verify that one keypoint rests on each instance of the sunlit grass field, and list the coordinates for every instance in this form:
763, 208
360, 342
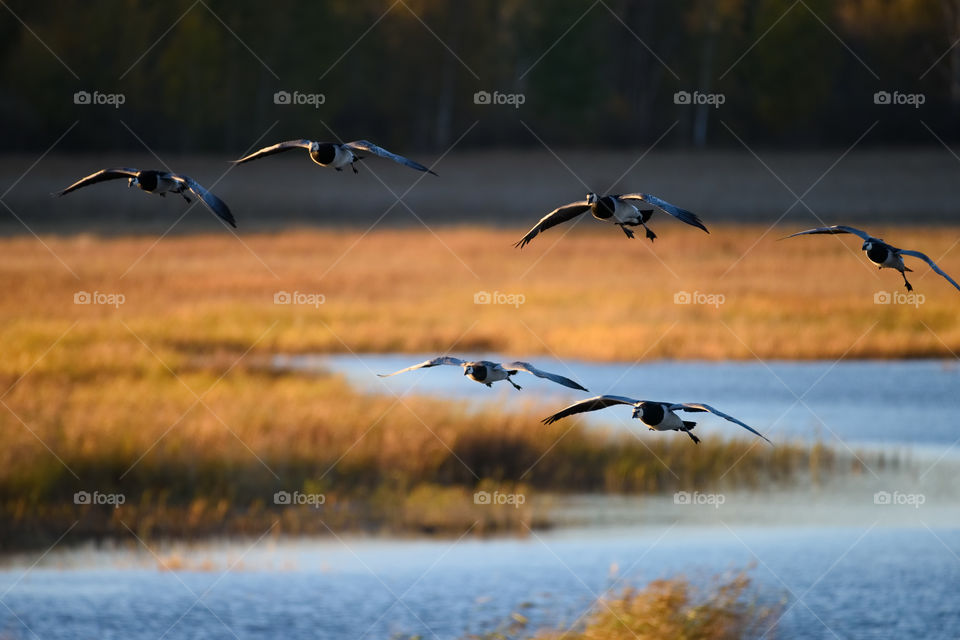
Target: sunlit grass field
589, 294
169, 398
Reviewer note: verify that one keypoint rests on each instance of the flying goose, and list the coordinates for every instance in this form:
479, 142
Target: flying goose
334, 154
880, 253
658, 416
486, 372
160, 183
627, 210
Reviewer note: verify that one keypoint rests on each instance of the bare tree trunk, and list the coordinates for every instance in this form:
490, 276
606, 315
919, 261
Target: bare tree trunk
704, 82
951, 14
448, 79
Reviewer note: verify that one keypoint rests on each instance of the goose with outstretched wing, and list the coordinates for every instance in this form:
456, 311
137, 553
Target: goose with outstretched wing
160, 183
627, 210
334, 154
658, 416
885, 256
487, 372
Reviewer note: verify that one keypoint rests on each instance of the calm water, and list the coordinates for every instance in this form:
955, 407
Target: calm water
860, 402
846, 582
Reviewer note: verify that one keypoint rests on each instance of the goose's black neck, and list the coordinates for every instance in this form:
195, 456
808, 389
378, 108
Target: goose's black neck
652, 413
325, 153
148, 180
604, 207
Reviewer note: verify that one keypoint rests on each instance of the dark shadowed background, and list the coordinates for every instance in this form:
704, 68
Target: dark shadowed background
785, 90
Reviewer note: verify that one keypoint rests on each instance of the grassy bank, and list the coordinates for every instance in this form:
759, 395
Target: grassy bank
592, 294
187, 468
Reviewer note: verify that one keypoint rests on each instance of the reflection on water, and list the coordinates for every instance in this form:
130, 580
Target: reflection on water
853, 581
859, 402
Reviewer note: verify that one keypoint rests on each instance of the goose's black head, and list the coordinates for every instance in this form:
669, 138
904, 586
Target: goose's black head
476, 371
323, 153
602, 207
650, 413
876, 251
146, 180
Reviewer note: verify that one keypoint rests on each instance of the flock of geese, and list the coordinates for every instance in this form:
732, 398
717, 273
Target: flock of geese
625, 211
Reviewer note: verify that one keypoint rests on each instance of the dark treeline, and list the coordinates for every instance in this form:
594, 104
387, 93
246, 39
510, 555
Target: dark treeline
202, 75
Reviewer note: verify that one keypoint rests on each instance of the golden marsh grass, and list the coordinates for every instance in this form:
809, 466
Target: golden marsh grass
676, 608
169, 398
591, 294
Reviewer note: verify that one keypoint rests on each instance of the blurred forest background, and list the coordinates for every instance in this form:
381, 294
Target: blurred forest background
594, 73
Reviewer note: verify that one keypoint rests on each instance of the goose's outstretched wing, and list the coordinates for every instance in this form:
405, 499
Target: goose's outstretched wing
213, 203
552, 219
699, 406
280, 147
680, 214
100, 176
933, 265
529, 368
423, 365
837, 228
590, 404
366, 145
